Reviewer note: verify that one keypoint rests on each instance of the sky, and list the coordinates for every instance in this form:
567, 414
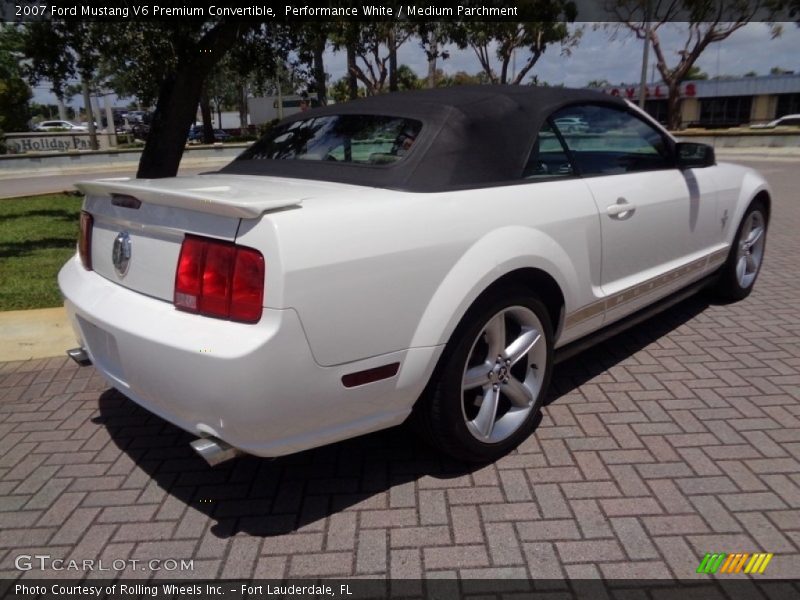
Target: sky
599, 56
619, 60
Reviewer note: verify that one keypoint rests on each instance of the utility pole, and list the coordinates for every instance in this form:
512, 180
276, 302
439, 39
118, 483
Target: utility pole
392, 43
62, 110
98, 115
111, 129
280, 92
87, 103
645, 52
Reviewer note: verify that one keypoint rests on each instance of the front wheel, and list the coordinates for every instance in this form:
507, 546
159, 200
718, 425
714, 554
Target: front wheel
492, 379
741, 270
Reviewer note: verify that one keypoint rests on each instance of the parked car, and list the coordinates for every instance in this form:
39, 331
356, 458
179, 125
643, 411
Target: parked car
429, 254
60, 125
137, 116
140, 131
196, 134
786, 120
572, 125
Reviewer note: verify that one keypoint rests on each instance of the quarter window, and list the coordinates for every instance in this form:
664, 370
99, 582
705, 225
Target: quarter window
608, 141
366, 139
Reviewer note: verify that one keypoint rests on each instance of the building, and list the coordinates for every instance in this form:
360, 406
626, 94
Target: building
717, 103
265, 109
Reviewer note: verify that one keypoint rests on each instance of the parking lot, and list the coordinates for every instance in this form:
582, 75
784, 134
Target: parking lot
678, 438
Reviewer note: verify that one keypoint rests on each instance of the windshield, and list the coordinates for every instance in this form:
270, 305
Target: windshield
364, 139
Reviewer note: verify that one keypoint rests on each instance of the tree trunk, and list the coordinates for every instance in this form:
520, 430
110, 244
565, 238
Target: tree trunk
208, 122
175, 111
504, 69
176, 107
319, 70
352, 82
243, 108
674, 107
433, 54
392, 43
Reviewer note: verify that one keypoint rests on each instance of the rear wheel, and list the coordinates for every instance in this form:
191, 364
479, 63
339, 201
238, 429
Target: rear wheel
741, 270
492, 379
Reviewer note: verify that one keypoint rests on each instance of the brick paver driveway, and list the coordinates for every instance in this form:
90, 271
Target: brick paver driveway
678, 438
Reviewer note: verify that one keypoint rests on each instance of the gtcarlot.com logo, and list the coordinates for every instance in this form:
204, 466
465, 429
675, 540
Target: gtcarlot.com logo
742, 562
45, 562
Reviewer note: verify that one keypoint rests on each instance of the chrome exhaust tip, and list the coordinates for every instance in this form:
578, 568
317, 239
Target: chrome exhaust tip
214, 451
80, 356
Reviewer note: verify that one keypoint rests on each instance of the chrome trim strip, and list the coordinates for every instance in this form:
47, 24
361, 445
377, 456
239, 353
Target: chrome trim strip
630, 294
135, 226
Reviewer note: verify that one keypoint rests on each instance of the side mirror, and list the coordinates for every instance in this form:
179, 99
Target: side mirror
691, 155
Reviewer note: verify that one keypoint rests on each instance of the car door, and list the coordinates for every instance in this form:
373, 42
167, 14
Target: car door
656, 220
559, 204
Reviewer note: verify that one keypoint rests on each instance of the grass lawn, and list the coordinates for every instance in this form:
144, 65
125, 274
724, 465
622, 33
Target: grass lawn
37, 236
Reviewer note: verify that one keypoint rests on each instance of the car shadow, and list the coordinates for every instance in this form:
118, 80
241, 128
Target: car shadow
581, 368
268, 497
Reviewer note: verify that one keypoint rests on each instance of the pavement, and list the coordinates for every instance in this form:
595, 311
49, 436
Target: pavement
678, 438
41, 181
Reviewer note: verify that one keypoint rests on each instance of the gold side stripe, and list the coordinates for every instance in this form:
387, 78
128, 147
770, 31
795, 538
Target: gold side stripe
625, 296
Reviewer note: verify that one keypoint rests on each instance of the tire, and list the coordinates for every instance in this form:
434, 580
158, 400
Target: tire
740, 271
501, 397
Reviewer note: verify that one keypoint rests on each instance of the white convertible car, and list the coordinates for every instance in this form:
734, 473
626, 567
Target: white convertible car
430, 253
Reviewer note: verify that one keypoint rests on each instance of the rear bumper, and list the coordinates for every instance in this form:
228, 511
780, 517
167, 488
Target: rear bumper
257, 387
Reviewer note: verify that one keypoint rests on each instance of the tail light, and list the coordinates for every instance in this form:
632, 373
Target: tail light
219, 279
85, 240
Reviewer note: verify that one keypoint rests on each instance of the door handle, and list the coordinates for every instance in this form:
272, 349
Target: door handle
621, 210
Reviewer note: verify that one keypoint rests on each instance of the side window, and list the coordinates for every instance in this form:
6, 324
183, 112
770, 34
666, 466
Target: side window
609, 141
548, 157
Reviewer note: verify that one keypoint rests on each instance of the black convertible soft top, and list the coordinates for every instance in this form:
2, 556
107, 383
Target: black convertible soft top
472, 136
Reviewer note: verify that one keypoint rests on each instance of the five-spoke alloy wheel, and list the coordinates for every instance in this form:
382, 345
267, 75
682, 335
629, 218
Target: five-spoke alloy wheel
503, 374
746, 255
492, 379
750, 249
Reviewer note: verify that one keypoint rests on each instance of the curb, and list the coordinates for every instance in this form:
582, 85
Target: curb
39, 333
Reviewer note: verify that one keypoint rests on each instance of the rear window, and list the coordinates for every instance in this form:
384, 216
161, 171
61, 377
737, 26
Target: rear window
362, 139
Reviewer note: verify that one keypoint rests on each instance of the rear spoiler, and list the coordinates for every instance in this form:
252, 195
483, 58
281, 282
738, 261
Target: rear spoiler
222, 195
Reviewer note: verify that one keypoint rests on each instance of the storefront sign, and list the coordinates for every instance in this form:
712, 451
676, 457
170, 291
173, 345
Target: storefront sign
652, 92
20, 143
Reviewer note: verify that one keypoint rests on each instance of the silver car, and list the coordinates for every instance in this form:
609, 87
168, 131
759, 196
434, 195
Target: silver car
57, 125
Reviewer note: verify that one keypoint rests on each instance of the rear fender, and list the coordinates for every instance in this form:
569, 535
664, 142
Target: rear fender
494, 255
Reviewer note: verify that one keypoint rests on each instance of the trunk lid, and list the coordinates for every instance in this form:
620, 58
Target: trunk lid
152, 216
238, 196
